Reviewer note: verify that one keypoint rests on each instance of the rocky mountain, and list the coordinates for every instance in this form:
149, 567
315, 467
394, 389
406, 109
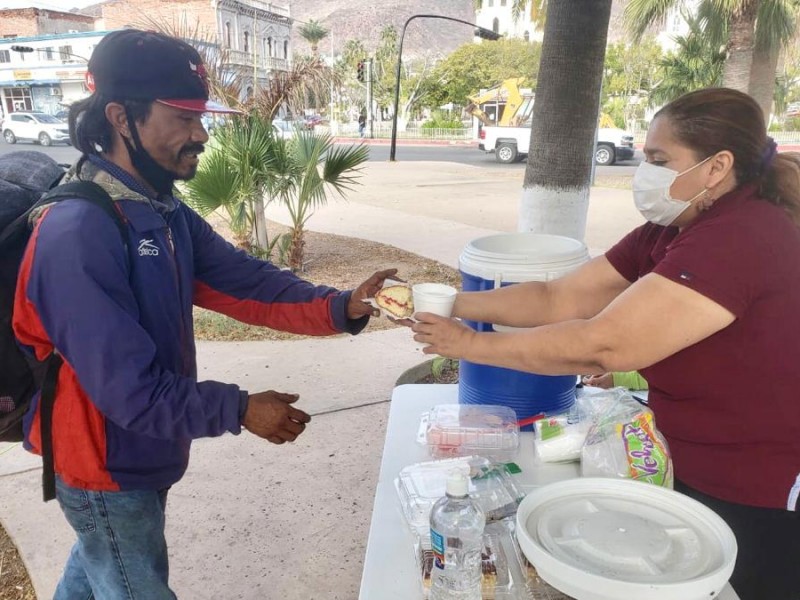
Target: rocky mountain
364, 20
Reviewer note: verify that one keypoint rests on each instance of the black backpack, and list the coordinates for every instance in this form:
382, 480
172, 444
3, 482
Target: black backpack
28, 182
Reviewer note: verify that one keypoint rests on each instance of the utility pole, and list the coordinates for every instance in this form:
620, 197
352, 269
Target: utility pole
369, 97
333, 124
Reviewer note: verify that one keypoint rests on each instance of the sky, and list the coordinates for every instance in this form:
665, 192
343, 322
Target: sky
64, 5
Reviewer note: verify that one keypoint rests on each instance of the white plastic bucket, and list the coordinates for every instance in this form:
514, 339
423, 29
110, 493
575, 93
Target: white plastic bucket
497, 260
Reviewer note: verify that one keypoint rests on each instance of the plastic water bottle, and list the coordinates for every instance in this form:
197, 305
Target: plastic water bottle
457, 524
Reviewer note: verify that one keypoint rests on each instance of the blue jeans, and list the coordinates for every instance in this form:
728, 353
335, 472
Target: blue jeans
121, 552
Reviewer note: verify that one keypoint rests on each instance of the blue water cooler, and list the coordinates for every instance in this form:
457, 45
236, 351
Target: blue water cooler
504, 259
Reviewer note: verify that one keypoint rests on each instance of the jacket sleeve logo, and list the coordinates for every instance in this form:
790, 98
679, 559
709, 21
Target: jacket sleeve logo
147, 248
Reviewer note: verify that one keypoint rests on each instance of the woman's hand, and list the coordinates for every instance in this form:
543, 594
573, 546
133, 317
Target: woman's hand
605, 381
357, 308
446, 337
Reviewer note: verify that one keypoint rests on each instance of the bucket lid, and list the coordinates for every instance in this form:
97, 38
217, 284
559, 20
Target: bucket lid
527, 248
605, 539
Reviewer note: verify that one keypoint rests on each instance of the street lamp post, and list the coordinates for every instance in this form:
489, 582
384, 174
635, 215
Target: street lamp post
481, 32
29, 49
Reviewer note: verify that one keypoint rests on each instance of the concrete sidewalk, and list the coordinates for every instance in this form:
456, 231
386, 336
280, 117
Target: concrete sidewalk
261, 522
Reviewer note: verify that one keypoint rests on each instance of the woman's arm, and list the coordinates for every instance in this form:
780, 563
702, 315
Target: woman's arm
579, 295
651, 320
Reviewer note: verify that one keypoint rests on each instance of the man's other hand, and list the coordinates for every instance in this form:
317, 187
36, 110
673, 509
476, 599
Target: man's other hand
270, 415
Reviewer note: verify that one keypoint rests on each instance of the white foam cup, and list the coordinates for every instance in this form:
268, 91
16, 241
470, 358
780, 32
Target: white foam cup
435, 298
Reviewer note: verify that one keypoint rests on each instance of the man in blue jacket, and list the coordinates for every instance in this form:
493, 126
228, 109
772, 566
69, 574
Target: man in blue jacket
128, 402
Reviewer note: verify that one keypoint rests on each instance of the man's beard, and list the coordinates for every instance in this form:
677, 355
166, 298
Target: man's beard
161, 179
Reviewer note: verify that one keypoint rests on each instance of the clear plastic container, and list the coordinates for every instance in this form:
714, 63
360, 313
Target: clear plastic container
505, 572
495, 577
419, 486
451, 430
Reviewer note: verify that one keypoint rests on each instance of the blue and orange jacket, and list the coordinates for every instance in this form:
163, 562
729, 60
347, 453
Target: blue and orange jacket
128, 402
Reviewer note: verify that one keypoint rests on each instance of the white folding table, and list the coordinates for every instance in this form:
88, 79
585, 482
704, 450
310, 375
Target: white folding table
390, 567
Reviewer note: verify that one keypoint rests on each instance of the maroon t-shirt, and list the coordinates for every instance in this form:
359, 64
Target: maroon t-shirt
729, 405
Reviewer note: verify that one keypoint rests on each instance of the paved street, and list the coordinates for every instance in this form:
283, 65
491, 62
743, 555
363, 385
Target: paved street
468, 155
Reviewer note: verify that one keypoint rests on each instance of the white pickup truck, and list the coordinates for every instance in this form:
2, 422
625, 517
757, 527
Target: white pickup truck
510, 144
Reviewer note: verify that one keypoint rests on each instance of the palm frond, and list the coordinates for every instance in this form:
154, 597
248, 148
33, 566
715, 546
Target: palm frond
307, 76
639, 15
732, 7
538, 12
313, 32
696, 63
711, 22
214, 185
517, 9
343, 167
777, 23
310, 149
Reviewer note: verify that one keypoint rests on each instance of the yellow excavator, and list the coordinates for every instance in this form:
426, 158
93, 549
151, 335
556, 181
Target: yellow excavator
513, 107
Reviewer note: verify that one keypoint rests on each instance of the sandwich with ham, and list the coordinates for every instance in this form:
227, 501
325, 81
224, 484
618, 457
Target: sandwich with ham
396, 300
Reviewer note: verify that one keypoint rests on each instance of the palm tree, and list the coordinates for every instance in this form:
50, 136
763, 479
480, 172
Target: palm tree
696, 63
555, 197
247, 165
313, 32
303, 174
307, 76
234, 175
752, 31
537, 11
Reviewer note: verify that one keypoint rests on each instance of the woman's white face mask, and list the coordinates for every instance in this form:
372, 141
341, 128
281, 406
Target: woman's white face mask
651, 185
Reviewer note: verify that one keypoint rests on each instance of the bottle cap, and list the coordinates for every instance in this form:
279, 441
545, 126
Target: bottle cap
457, 483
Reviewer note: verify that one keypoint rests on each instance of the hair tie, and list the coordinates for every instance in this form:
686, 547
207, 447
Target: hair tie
770, 150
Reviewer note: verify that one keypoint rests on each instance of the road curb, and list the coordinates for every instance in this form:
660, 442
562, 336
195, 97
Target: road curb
406, 142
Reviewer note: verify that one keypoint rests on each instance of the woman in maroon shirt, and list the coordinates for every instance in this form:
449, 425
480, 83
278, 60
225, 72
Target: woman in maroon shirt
704, 299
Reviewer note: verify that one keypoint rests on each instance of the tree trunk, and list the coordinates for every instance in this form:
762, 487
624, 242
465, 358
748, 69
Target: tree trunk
260, 237
555, 195
296, 252
762, 77
741, 41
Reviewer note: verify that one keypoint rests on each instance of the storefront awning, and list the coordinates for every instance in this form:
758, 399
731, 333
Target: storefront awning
29, 82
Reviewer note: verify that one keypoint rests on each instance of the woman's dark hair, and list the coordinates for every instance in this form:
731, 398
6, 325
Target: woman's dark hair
716, 119
89, 129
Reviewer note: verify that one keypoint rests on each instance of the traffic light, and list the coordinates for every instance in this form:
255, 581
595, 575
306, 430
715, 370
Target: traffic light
360, 73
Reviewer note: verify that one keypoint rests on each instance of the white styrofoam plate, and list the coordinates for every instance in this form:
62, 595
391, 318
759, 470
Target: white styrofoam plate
606, 539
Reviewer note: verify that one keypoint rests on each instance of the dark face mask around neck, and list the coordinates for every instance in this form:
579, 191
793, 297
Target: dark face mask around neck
158, 177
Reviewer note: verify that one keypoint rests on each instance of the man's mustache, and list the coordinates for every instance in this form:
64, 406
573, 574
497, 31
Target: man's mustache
193, 149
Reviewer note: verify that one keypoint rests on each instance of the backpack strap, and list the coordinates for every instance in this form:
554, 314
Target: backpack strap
91, 192
47, 401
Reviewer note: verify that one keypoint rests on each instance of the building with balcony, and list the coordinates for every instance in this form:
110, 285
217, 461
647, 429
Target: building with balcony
253, 34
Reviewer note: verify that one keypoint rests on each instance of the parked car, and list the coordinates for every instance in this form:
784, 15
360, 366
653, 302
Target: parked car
35, 126
311, 121
283, 129
511, 144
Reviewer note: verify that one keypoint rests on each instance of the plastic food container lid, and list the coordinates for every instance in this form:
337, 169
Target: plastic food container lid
463, 430
606, 539
419, 486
